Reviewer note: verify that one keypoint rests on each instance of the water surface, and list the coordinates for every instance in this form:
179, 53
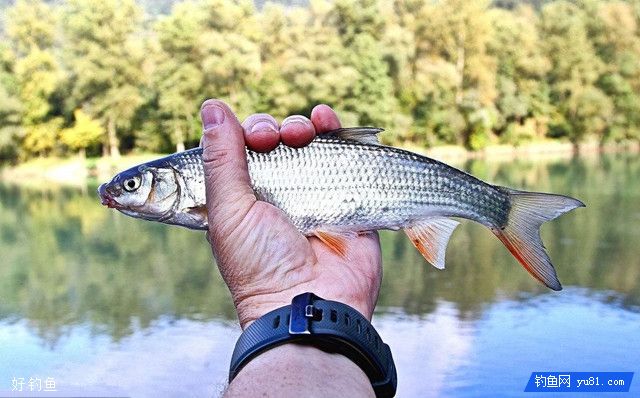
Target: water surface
109, 305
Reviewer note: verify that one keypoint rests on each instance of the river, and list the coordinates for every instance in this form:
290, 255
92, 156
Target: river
103, 304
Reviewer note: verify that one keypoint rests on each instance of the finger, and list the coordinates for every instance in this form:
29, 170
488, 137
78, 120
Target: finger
297, 131
324, 119
261, 132
228, 190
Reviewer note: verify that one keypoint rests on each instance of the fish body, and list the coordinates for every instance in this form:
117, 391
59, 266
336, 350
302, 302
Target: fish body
345, 182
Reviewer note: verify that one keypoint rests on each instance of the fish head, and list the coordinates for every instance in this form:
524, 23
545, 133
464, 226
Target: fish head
142, 192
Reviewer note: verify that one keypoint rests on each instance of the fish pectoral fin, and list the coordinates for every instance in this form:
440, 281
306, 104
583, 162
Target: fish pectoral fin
199, 213
430, 237
365, 135
336, 240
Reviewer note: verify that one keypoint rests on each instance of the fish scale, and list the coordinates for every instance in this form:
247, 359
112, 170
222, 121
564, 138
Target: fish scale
345, 182
320, 180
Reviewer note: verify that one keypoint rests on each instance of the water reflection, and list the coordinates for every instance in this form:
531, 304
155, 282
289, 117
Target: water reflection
592, 247
66, 260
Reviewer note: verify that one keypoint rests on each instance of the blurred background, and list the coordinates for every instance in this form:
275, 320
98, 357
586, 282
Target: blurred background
119, 76
536, 95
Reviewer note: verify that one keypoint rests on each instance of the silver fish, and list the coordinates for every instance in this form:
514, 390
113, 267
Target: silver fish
346, 182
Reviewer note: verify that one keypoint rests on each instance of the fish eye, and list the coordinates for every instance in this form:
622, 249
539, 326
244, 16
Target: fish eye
131, 184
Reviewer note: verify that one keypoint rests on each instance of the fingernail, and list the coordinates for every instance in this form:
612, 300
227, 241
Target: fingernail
295, 119
212, 116
263, 126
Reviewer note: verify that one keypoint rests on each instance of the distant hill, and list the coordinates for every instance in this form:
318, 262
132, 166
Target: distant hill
158, 7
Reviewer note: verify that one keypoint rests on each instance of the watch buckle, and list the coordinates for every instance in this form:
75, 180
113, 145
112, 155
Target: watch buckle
303, 312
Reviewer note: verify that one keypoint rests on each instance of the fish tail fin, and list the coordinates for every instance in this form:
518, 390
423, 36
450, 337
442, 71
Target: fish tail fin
521, 234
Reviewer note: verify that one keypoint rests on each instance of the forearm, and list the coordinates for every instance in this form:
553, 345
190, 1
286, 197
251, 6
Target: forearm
294, 370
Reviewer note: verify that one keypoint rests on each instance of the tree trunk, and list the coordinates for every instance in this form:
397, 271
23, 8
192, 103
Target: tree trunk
460, 63
460, 69
113, 138
82, 153
179, 141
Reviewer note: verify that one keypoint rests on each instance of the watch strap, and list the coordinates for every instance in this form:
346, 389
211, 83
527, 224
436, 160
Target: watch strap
328, 325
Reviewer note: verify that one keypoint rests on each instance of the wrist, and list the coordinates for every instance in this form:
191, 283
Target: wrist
299, 370
252, 307
327, 325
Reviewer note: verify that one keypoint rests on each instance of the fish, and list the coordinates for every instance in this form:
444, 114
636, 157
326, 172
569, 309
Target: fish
345, 182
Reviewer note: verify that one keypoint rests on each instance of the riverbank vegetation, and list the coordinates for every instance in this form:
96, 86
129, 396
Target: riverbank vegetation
105, 76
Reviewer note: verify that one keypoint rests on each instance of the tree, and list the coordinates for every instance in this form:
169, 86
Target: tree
370, 96
451, 78
31, 29
10, 106
179, 77
459, 31
31, 24
587, 111
432, 71
617, 41
575, 67
521, 71
106, 59
304, 62
83, 134
230, 52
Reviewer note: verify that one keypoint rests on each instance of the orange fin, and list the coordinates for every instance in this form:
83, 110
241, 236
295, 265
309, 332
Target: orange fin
199, 215
199, 211
533, 258
431, 236
521, 235
336, 240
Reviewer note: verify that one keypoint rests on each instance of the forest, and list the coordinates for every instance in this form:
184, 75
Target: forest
104, 77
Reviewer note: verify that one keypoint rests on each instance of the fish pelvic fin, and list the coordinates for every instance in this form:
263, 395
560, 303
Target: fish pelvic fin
431, 236
335, 240
365, 135
521, 234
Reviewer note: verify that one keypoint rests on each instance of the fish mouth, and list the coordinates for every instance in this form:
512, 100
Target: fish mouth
107, 199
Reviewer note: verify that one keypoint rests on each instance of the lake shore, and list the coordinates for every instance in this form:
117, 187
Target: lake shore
77, 171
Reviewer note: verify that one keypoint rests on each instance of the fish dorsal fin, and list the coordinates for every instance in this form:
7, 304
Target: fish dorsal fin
365, 135
431, 236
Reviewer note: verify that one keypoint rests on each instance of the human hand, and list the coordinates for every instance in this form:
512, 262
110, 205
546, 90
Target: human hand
264, 260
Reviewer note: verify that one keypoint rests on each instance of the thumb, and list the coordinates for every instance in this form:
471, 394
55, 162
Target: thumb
228, 187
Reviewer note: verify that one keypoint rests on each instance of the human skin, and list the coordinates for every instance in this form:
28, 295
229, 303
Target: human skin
265, 261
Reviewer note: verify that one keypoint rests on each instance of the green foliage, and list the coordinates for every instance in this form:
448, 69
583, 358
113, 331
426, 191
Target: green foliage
229, 52
179, 77
40, 138
522, 97
38, 77
10, 107
370, 94
31, 24
105, 55
430, 71
581, 108
31, 27
84, 133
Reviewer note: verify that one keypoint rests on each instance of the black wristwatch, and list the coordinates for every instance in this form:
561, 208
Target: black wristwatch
328, 325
